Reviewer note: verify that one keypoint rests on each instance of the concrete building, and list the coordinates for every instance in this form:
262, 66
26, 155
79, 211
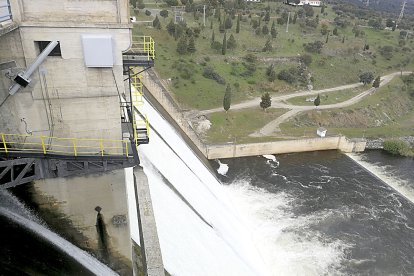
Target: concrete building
75, 92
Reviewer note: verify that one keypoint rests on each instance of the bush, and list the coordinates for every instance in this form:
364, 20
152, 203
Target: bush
397, 147
147, 13
209, 73
313, 47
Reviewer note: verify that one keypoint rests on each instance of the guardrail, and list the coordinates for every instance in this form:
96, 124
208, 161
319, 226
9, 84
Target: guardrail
12, 143
144, 45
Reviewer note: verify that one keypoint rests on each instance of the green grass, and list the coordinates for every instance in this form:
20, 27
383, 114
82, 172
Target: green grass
339, 63
331, 97
237, 125
387, 113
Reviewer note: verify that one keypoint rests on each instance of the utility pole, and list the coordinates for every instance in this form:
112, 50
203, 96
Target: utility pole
287, 26
204, 15
401, 14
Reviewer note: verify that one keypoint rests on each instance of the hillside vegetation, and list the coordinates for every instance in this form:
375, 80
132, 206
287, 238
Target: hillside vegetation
255, 48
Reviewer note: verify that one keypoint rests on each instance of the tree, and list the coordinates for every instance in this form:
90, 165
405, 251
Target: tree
366, 77
156, 23
265, 30
147, 13
238, 24
231, 42
317, 101
268, 46
377, 82
306, 59
164, 13
266, 101
211, 24
191, 45
335, 31
227, 98
295, 17
273, 30
213, 38
228, 23
182, 46
267, 17
171, 28
223, 49
323, 9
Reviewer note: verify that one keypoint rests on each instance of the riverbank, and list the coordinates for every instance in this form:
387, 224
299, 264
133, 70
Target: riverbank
166, 105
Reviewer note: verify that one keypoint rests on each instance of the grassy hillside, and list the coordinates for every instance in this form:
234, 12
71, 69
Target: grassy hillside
341, 60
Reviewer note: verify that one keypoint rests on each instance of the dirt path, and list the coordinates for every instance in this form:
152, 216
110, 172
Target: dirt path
273, 126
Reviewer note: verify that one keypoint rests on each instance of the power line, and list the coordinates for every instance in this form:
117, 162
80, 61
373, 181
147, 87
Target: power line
400, 17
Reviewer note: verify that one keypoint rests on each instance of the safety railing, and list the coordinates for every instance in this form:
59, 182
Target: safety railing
137, 93
144, 45
12, 143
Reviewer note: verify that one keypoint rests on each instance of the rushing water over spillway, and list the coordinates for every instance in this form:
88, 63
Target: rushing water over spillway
294, 214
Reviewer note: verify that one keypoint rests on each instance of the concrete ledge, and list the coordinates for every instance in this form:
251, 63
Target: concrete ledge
289, 146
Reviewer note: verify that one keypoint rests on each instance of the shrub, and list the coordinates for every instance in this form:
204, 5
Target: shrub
147, 13
209, 73
313, 47
397, 147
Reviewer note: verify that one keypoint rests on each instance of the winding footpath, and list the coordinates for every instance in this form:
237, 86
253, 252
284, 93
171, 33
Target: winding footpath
278, 102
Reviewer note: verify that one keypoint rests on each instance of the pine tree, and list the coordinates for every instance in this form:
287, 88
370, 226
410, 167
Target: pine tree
317, 101
221, 27
273, 30
266, 101
171, 28
265, 30
211, 24
268, 46
323, 9
267, 17
231, 43
227, 98
213, 38
228, 23
224, 48
343, 39
182, 45
191, 45
295, 17
377, 82
156, 23
238, 24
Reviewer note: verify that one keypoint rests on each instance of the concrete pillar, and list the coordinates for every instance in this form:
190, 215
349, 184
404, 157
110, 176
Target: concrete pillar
150, 245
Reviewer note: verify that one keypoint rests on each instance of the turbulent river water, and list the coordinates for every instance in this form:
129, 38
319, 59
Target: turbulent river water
321, 213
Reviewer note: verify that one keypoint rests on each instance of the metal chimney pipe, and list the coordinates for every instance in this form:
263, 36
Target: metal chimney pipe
24, 79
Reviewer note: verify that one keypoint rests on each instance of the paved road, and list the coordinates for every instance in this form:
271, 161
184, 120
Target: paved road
278, 102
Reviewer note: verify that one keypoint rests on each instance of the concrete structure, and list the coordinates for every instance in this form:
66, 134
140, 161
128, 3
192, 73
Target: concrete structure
150, 245
278, 147
321, 132
65, 98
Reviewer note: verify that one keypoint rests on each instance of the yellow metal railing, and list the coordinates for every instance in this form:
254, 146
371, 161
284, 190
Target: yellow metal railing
137, 93
144, 44
10, 143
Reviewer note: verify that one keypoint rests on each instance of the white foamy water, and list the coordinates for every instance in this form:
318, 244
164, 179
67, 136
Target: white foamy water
76, 253
400, 185
223, 169
283, 239
223, 230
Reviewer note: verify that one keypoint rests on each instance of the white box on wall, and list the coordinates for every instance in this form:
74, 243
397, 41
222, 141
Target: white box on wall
98, 50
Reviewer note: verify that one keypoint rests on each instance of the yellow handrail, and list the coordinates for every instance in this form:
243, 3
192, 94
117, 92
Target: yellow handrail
147, 46
66, 146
